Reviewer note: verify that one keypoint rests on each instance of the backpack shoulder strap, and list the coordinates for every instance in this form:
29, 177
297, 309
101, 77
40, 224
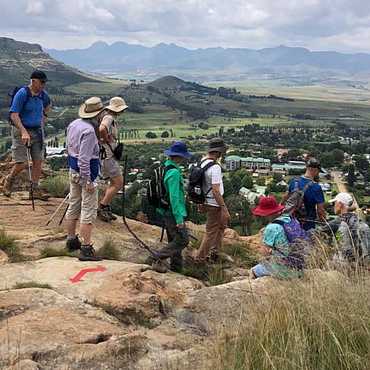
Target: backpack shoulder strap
28, 91
278, 222
307, 186
14, 93
162, 175
295, 182
205, 168
209, 165
16, 89
167, 168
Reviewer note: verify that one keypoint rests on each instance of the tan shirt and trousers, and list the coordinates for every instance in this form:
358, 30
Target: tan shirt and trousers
215, 226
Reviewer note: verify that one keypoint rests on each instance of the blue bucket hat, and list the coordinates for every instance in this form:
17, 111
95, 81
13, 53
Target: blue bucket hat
179, 149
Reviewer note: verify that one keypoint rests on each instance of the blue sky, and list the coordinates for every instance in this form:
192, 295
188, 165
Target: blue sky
340, 25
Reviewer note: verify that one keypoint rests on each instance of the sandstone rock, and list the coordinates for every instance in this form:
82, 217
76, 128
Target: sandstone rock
143, 298
209, 308
231, 236
24, 365
57, 272
40, 321
3, 258
252, 242
117, 315
122, 352
33, 235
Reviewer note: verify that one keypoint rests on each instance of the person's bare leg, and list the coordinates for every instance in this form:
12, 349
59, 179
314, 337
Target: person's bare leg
17, 168
9, 179
71, 228
86, 231
36, 171
116, 184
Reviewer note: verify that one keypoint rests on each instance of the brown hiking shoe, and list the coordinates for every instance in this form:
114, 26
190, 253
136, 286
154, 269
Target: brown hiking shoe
39, 194
8, 185
104, 214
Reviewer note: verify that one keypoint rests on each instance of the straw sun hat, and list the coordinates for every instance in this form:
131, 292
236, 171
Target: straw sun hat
91, 108
117, 105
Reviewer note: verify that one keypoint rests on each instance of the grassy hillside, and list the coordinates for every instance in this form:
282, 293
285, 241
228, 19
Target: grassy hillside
19, 59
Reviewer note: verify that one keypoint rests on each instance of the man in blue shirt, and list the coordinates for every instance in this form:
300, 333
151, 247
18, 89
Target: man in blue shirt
313, 198
27, 114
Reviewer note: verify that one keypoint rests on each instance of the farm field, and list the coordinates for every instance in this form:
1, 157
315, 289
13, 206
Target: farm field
345, 92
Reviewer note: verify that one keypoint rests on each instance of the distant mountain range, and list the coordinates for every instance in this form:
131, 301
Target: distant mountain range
294, 62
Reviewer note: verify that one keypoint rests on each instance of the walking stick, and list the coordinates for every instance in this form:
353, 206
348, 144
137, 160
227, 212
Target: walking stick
162, 233
64, 214
57, 210
141, 242
30, 175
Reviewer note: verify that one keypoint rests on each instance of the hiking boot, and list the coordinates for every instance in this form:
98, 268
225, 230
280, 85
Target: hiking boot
88, 254
104, 213
156, 264
159, 266
111, 215
73, 244
38, 194
8, 185
220, 257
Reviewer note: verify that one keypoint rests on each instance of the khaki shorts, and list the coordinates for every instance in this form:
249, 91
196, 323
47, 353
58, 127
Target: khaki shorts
110, 168
82, 204
19, 150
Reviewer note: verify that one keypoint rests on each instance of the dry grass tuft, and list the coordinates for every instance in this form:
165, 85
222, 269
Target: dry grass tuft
310, 324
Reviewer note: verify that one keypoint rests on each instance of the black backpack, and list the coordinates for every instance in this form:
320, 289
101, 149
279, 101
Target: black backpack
195, 191
294, 204
12, 94
156, 191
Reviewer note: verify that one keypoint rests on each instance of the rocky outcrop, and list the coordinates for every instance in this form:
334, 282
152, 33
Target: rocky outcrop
122, 316
3, 258
61, 313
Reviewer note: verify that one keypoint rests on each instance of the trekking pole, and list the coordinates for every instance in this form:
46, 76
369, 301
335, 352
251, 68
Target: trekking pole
30, 175
162, 233
193, 237
142, 243
57, 210
64, 214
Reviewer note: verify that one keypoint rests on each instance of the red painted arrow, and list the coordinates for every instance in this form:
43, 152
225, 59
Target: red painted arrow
83, 272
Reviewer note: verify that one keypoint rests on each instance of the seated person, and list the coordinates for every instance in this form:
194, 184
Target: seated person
352, 234
276, 247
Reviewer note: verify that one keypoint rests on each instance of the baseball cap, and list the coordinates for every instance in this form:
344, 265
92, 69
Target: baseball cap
313, 163
344, 198
39, 75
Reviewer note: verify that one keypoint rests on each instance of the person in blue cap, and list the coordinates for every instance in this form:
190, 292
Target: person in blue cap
28, 112
174, 215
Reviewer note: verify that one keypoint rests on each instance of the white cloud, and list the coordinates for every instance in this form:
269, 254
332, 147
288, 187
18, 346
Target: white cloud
35, 7
324, 24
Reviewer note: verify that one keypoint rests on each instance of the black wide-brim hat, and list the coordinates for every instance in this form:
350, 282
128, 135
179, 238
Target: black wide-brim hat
217, 145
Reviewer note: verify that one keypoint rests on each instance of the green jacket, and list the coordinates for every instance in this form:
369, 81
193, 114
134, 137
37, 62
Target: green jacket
174, 184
